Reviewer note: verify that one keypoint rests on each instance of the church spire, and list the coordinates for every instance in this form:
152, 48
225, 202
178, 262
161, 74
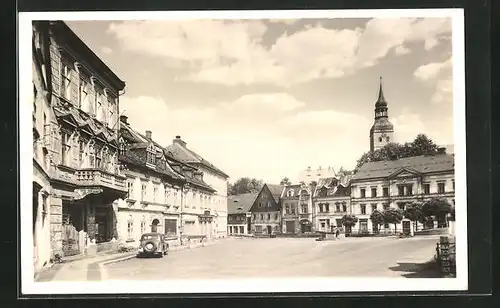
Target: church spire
381, 99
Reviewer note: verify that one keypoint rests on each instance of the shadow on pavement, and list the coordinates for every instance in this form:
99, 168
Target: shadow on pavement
428, 269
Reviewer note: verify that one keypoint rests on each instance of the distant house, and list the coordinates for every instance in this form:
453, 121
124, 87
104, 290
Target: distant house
396, 183
331, 202
266, 211
297, 209
239, 218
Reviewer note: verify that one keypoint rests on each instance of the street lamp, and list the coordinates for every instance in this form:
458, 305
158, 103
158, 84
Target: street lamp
184, 187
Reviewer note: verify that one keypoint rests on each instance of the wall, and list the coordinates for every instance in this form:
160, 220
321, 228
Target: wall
218, 200
332, 215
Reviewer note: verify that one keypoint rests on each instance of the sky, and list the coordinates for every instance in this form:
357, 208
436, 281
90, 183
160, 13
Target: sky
268, 98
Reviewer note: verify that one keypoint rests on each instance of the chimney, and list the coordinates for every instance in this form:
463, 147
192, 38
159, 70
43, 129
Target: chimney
124, 119
441, 150
148, 134
178, 140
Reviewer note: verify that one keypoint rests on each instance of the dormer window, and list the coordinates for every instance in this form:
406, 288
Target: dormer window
151, 155
290, 193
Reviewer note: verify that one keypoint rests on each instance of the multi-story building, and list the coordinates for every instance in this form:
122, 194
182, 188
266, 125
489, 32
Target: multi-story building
213, 176
395, 183
77, 142
382, 131
266, 213
331, 202
239, 217
155, 190
297, 208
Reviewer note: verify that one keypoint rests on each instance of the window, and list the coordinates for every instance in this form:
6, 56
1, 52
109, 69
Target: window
374, 192
321, 207
91, 156
98, 159
170, 227
166, 194
155, 193
337, 207
387, 139
260, 204
374, 207
344, 207
303, 209
426, 188
111, 111
130, 188
268, 203
385, 206
363, 209
385, 191
261, 216
386, 225
65, 148
130, 230
292, 209
268, 216
81, 155
441, 189
143, 226
287, 209
401, 206
401, 190
151, 155
363, 192
323, 224
230, 230
66, 82
380, 139
84, 95
99, 107
276, 215
143, 191
453, 183
409, 189
242, 230
254, 216
327, 207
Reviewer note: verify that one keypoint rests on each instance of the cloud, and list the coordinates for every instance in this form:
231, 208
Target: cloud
408, 125
268, 101
233, 52
432, 70
282, 21
402, 50
107, 50
444, 92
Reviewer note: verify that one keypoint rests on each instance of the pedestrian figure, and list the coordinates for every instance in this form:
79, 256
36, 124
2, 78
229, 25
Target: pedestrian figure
337, 233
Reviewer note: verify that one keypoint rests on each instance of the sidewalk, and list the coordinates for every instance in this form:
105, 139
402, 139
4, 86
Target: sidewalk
85, 268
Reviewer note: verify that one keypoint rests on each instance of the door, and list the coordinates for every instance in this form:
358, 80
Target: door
406, 227
290, 227
269, 230
154, 225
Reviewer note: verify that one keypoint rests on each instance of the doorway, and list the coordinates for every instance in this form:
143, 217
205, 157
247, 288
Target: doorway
269, 230
154, 225
290, 226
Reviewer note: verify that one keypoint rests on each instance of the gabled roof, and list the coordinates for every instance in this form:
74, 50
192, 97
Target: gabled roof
334, 187
239, 204
423, 164
276, 190
295, 188
186, 155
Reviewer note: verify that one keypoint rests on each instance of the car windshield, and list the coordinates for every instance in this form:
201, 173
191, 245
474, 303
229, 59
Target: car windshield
149, 237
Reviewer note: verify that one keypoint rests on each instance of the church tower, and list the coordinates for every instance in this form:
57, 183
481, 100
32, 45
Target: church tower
382, 131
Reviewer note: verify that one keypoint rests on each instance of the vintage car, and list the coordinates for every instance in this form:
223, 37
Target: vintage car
152, 244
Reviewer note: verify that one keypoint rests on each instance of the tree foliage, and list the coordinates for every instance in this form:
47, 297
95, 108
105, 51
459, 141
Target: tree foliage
436, 207
414, 213
393, 216
245, 185
377, 218
349, 220
421, 145
285, 181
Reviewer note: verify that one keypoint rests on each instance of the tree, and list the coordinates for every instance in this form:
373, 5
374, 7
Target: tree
349, 221
421, 145
436, 207
377, 218
343, 172
393, 216
413, 212
285, 181
245, 185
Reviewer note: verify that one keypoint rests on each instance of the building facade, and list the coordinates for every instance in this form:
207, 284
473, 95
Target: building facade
239, 217
213, 176
382, 131
396, 183
297, 208
266, 213
77, 141
331, 201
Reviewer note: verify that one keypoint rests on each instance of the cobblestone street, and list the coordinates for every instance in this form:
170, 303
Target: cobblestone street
283, 257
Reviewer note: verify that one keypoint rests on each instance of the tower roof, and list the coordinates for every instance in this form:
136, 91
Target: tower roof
381, 102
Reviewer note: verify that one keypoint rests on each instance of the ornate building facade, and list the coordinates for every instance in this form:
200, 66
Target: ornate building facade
382, 131
331, 202
76, 144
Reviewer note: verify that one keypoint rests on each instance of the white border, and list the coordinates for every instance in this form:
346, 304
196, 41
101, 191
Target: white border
347, 284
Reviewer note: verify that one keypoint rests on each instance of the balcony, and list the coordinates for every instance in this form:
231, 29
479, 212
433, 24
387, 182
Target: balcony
93, 177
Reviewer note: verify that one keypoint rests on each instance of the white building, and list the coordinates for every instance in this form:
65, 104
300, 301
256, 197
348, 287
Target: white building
212, 175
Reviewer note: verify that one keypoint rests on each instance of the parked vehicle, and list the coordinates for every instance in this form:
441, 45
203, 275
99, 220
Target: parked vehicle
152, 244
